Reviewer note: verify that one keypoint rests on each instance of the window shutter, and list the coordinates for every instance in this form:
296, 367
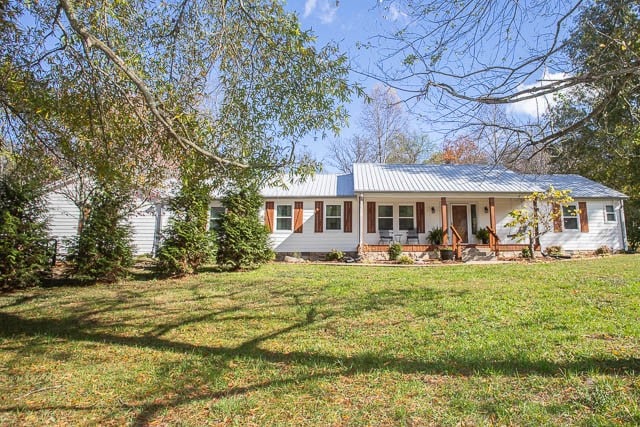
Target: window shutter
319, 214
298, 210
268, 216
371, 217
584, 220
348, 217
420, 217
557, 222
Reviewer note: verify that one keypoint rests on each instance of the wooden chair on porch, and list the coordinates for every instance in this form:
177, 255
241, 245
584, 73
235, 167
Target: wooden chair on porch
386, 236
412, 234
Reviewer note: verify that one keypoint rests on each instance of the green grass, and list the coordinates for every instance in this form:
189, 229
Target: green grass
540, 344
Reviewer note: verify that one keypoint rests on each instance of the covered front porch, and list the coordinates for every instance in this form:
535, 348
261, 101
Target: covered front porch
411, 220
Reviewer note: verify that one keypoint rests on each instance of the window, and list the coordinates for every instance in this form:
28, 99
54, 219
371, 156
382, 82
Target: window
406, 217
385, 217
283, 217
333, 217
474, 219
570, 217
214, 217
611, 213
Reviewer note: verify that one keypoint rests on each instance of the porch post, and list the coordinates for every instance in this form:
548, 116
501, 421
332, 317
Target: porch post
360, 224
445, 223
492, 213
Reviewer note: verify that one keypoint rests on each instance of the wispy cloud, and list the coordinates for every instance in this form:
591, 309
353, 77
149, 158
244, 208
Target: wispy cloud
537, 107
395, 13
325, 10
309, 5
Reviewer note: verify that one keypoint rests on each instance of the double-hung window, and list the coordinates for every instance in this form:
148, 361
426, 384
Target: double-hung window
405, 216
570, 217
385, 217
610, 213
333, 217
284, 217
215, 214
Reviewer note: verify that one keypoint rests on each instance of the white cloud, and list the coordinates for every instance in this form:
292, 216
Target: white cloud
536, 107
309, 5
326, 11
395, 13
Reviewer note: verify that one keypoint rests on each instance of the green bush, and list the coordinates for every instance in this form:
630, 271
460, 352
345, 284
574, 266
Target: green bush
436, 235
187, 244
405, 259
394, 251
334, 255
103, 249
243, 240
23, 231
483, 235
526, 253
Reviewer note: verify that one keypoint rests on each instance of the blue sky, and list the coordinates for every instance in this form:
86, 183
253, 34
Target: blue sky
349, 22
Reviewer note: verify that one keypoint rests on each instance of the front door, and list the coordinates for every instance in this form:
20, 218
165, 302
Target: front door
459, 221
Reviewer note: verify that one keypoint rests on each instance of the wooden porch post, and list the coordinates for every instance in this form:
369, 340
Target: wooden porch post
492, 221
445, 224
360, 248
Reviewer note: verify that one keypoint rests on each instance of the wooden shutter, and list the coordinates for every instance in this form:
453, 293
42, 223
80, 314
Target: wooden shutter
268, 216
584, 220
371, 217
348, 217
319, 214
420, 227
557, 222
298, 211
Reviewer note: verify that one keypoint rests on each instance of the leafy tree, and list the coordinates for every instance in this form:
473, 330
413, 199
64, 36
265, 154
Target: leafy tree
460, 151
103, 249
538, 214
187, 243
23, 227
606, 146
243, 240
237, 82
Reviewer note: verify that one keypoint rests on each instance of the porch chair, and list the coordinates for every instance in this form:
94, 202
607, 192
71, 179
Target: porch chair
412, 234
386, 236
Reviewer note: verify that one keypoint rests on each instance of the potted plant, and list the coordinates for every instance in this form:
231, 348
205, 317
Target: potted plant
435, 236
483, 235
446, 253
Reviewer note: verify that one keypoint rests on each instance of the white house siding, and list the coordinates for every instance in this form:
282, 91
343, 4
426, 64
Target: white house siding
63, 219
600, 232
309, 240
143, 225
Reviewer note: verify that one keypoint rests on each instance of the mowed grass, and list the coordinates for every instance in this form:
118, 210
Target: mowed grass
546, 343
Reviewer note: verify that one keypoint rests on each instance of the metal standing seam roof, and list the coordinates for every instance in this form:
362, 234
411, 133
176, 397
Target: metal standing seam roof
319, 185
390, 178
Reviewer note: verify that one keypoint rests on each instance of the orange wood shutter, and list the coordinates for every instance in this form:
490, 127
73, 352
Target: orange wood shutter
319, 214
420, 217
298, 210
557, 223
348, 217
268, 216
371, 217
584, 220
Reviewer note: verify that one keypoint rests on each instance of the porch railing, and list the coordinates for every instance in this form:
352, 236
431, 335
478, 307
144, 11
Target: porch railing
494, 241
456, 243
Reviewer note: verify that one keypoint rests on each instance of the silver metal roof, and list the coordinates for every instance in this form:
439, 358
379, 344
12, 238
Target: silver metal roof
375, 177
319, 185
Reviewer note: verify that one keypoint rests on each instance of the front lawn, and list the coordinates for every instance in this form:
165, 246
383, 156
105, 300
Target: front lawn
549, 343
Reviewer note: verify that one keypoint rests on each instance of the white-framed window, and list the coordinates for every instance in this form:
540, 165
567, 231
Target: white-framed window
385, 217
570, 217
214, 217
610, 213
333, 217
405, 217
284, 217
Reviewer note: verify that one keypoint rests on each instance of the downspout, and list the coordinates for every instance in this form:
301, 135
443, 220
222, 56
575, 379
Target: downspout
157, 231
360, 225
623, 228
